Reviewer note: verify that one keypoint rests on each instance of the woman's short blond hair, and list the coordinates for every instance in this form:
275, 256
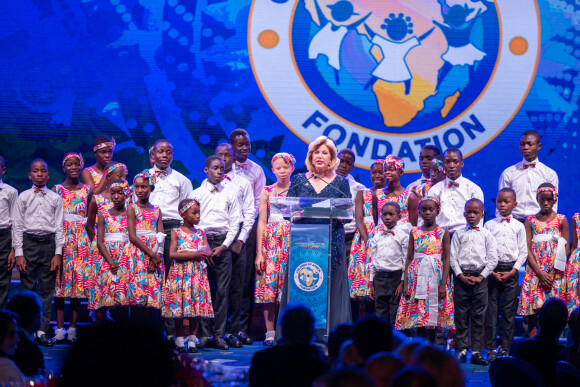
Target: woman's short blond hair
314, 145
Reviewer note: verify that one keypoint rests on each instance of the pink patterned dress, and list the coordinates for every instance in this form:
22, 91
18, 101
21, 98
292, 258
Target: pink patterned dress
144, 289
402, 200
186, 292
95, 175
275, 248
413, 312
70, 277
112, 289
533, 296
95, 258
573, 270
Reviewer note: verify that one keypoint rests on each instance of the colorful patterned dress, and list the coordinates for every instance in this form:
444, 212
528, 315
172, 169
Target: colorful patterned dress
573, 270
275, 248
533, 296
414, 313
402, 200
186, 292
70, 277
144, 289
95, 258
112, 289
95, 175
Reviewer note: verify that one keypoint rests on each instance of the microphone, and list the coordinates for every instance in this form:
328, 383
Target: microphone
346, 195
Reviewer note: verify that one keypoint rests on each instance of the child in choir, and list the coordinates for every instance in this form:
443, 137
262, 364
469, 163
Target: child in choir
394, 169
426, 156
245, 195
146, 269
274, 242
437, 175
525, 177
454, 192
113, 243
573, 268
427, 302
473, 259
512, 252
103, 149
8, 197
240, 141
70, 278
389, 247
38, 240
220, 220
548, 238
186, 293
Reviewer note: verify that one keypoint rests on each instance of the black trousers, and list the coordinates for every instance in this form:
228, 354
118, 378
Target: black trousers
502, 297
470, 305
168, 225
220, 276
5, 274
386, 304
237, 290
38, 253
249, 281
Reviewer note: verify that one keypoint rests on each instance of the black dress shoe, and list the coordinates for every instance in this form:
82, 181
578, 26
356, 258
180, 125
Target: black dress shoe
43, 340
244, 338
204, 342
491, 356
233, 341
477, 359
220, 344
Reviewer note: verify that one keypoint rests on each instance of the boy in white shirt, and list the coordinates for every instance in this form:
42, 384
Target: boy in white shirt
512, 252
473, 257
427, 154
8, 197
389, 248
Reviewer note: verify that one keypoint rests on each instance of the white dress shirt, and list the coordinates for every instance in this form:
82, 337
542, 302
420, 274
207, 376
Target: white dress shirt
417, 184
219, 211
453, 201
355, 186
245, 196
255, 175
525, 181
8, 196
389, 251
170, 189
473, 250
510, 238
38, 214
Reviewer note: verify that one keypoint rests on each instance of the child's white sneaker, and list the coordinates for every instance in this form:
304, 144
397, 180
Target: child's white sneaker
191, 341
180, 343
71, 335
59, 336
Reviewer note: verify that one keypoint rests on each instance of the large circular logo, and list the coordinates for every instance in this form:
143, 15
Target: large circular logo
390, 77
308, 276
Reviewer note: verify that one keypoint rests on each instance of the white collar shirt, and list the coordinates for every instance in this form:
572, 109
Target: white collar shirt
418, 184
473, 250
8, 196
389, 249
453, 201
255, 175
219, 211
525, 181
245, 196
355, 186
170, 188
39, 214
510, 237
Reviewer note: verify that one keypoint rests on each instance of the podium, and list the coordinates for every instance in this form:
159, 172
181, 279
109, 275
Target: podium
308, 275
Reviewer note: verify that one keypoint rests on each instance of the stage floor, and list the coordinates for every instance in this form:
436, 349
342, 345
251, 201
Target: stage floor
238, 360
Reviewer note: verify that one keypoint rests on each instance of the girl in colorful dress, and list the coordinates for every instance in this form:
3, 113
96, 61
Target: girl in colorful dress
548, 246
437, 174
427, 302
70, 278
146, 268
103, 149
394, 169
113, 243
273, 238
573, 268
360, 257
186, 292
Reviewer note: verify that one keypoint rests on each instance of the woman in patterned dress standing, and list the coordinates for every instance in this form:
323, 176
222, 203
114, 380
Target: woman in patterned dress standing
548, 246
186, 292
103, 149
70, 278
273, 238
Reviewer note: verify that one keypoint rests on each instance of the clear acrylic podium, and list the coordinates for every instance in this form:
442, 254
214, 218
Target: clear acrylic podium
308, 275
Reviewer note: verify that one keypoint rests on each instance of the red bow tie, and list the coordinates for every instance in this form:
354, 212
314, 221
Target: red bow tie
473, 228
214, 189
226, 177
387, 231
506, 219
241, 165
453, 184
41, 190
161, 173
530, 165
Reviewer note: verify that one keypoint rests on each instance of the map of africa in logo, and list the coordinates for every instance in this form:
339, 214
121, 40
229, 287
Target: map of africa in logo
393, 65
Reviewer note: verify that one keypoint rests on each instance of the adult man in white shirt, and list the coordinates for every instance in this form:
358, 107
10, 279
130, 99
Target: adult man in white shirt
245, 195
8, 196
526, 176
